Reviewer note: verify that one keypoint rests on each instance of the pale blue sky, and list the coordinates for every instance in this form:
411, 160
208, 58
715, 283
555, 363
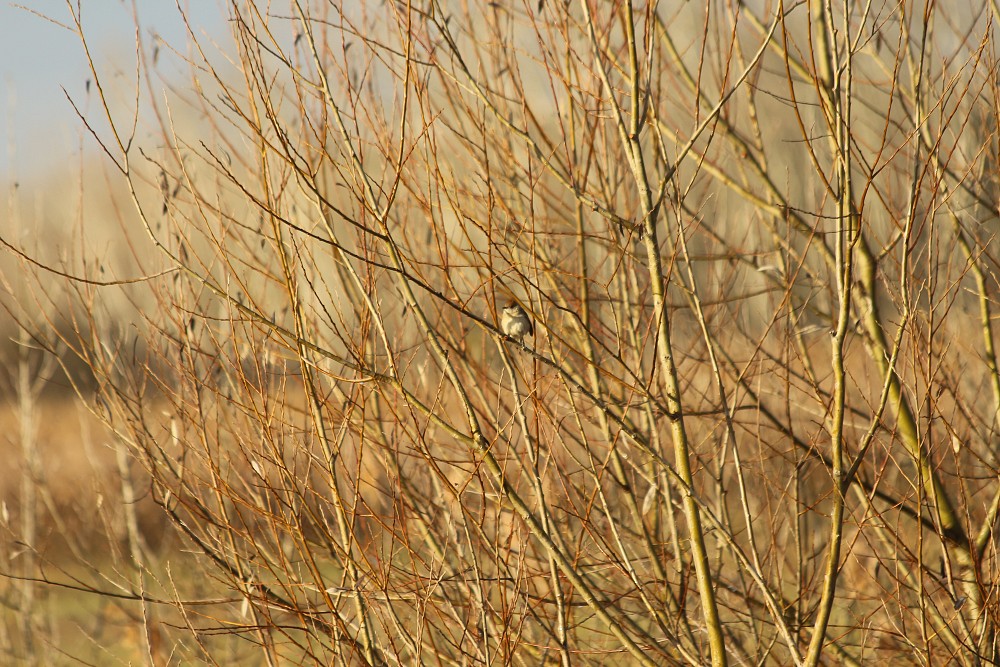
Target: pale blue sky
38, 128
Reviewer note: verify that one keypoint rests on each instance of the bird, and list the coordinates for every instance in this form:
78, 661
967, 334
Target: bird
515, 322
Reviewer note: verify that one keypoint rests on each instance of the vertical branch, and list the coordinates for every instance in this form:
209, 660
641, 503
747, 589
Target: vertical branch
668, 369
27, 388
836, 81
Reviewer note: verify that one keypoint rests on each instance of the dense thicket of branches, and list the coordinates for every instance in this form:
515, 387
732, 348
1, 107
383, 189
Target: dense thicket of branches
757, 422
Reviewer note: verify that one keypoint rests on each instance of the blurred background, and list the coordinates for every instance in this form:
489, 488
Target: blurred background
59, 459
41, 57
58, 193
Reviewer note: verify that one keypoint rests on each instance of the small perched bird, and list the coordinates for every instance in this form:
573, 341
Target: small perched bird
515, 322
